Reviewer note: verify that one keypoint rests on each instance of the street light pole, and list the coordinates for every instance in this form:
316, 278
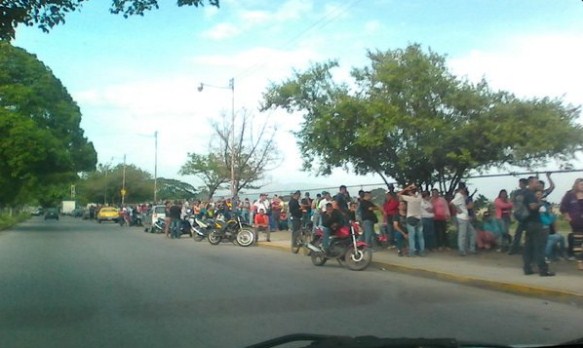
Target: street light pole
231, 86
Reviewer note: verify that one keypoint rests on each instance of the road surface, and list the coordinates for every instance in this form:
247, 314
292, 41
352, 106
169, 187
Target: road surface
74, 283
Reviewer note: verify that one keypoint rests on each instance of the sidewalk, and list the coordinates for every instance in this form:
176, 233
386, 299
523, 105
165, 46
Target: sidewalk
487, 269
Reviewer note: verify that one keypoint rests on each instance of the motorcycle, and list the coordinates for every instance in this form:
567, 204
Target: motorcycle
201, 229
159, 226
234, 231
127, 220
344, 247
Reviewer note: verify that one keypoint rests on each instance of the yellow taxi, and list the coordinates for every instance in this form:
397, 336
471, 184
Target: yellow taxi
108, 214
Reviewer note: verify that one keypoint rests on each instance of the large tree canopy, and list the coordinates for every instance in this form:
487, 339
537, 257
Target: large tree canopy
41, 142
409, 118
49, 13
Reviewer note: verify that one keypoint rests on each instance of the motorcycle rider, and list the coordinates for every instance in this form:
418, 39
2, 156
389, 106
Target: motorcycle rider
332, 220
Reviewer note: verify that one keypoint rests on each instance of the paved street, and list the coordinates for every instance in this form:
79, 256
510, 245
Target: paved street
72, 283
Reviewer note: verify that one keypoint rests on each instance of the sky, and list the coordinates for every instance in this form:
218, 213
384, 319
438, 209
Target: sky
133, 77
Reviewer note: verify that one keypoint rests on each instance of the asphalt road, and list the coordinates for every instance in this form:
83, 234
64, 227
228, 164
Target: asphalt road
73, 283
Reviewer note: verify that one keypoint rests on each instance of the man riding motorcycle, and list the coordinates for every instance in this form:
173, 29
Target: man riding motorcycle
332, 220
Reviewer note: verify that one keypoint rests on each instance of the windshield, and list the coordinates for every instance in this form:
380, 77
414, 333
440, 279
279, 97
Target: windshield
398, 168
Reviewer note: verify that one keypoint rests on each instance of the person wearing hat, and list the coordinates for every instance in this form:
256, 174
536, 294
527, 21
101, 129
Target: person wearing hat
295, 211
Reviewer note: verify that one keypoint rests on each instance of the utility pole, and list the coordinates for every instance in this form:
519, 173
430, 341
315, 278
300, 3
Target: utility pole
233, 182
231, 86
123, 182
155, 167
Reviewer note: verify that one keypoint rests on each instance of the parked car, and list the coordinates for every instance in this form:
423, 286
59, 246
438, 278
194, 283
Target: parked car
77, 212
152, 216
108, 214
37, 212
52, 213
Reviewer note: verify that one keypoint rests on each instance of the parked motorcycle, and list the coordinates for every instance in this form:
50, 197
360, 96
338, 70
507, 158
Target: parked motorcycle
350, 252
127, 220
201, 229
159, 226
233, 230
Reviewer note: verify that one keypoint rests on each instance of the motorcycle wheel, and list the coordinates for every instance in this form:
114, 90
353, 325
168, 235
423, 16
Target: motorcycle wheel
245, 237
359, 260
214, 238
197, 237
318, 258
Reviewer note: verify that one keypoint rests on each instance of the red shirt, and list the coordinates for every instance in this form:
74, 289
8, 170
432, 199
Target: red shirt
261, 220
391, 207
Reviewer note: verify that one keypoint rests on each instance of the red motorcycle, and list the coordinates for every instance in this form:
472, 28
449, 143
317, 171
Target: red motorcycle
344, 247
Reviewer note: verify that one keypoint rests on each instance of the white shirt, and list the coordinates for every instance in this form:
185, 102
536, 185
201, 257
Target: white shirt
262, 205
459, 201
413, 205
322, 205
426, 209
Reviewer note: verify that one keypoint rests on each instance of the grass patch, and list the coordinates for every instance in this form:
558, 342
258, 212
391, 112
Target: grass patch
7, 221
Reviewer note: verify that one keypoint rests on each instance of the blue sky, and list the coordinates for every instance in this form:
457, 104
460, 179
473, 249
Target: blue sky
134, 76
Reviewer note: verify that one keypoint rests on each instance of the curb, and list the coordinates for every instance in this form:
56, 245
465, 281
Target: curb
511, 288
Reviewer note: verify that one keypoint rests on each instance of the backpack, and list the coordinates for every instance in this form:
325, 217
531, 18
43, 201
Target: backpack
520, 210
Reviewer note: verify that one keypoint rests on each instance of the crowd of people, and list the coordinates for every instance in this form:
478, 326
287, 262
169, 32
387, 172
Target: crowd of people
414, 221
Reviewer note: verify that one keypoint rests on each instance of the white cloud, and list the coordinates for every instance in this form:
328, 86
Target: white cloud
255, 17
542, 65
221, 31
372, 27
293, 9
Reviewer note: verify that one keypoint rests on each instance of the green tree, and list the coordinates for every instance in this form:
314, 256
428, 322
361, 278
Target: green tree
104, 185
48, 13
209, 168
175, 189
42, 146
409, 118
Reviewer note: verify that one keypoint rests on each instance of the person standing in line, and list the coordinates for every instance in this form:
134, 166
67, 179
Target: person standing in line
414, 227
295, 211
503, 208
441, 215
517, 197
572, 210
466, 239
342, 198
427, 217
316, 212
390, 212
369, 218
535, 238
175, 211
276, 206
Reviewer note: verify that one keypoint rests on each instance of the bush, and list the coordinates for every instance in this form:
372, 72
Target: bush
7, 221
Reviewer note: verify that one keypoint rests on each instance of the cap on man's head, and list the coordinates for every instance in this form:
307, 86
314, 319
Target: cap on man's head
297, 192
325, 193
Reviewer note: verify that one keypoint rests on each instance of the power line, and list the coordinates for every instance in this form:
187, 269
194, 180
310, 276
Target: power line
328, 18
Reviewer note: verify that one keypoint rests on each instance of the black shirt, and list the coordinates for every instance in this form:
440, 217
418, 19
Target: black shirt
334, 218
174, 212
294, 208
365, 212
340, 198
529, 197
